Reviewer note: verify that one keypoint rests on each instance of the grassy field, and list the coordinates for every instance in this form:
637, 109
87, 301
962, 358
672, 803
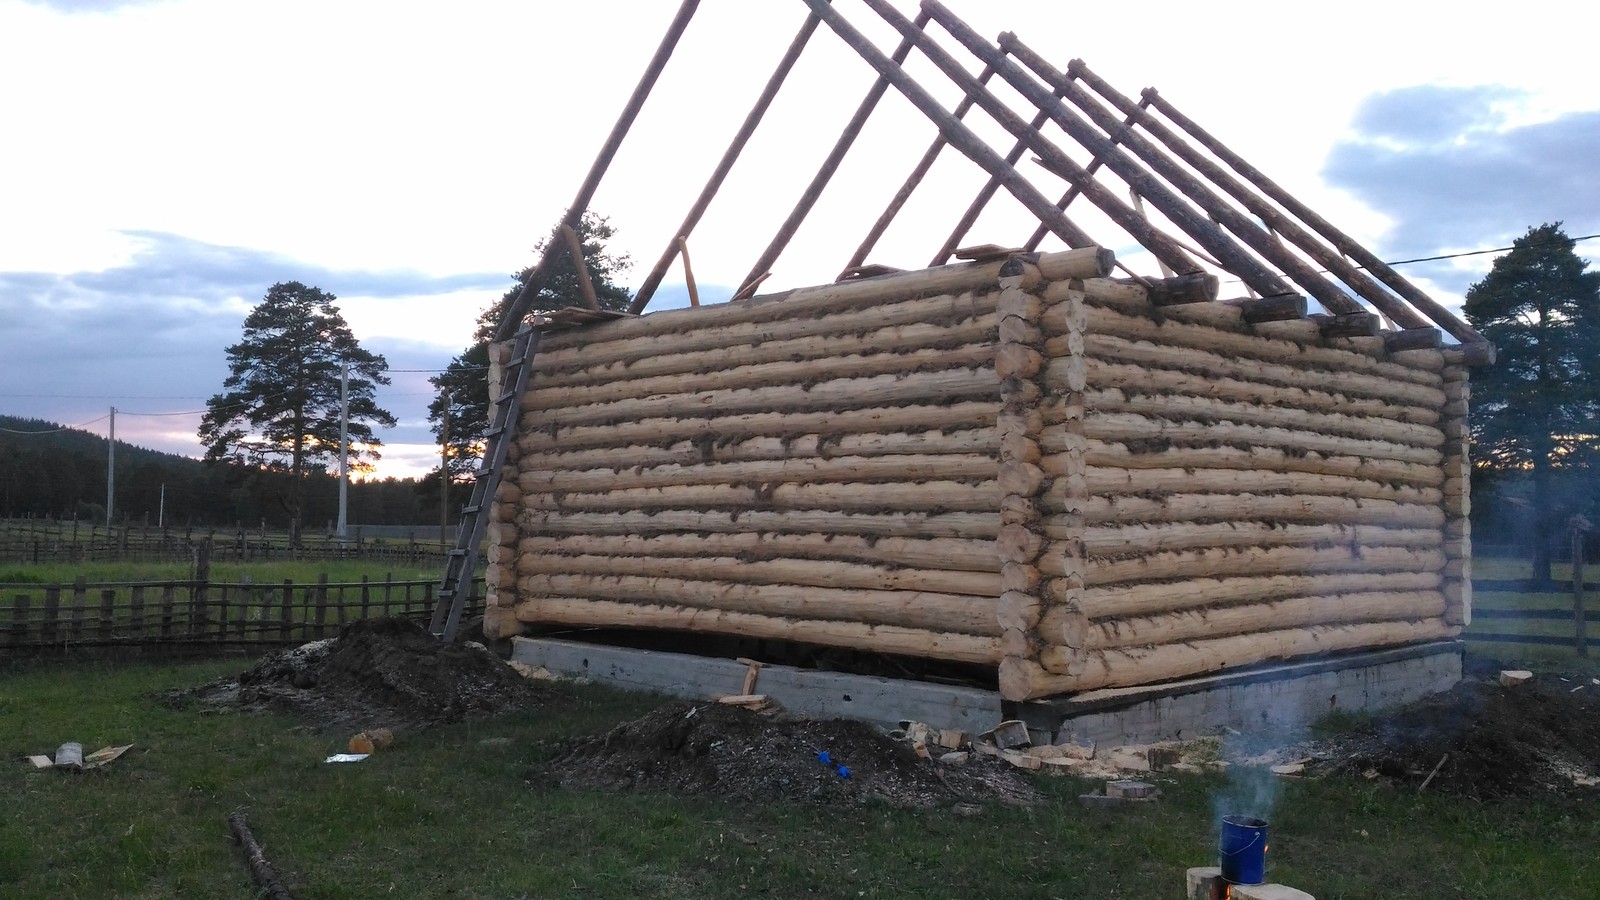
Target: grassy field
451, 813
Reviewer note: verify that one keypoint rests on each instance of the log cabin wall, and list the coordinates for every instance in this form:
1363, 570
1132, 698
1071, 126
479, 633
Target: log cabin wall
1019, 464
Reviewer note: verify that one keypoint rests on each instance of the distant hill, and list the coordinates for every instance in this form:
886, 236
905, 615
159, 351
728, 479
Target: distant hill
50, 470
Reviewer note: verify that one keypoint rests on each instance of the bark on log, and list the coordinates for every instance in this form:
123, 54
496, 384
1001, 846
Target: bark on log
930, 321
1291, 508
261, 871
1145, 379
861, 394
811, 302
1252, 347
813, 471
1202, 624
954, 613
714, 427
819, 573
876, 638
927, 496
1221, 563
1118, 668
1149, 352
1165, 455
729, 374
936, 553
1106, 482
1126, 427
980, 526
1146, 538
1147, 598
1130, 300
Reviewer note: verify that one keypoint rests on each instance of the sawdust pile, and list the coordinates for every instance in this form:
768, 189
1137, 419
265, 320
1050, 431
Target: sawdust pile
715, 750
385, 671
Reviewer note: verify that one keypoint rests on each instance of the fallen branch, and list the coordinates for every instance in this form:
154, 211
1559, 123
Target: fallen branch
1436, 767
261, 871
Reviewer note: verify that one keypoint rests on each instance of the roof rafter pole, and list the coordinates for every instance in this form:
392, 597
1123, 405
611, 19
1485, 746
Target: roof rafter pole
597, 170
985, 193
1277, 225
1130, 221
959, 135
652, 281
1175, 208
1220, 213
1066, 199
897, 202
1343, 242
819, 182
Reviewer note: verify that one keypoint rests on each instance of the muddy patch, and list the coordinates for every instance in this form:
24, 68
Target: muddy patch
710, 749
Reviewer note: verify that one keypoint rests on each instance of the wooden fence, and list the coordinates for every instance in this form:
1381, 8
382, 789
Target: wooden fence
201, 612
34, 541
1573, 613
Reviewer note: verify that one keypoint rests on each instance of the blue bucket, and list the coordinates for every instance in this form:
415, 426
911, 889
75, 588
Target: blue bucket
1244, 850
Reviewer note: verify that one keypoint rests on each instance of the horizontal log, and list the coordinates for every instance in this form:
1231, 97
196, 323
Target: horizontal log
1428, 338
1123, 667
811, 302
923, 553
1126, 427
1221, 563
818, 573
1288, 508
1255, 347
1146, 379
1108, 482
1105, 602
1162, 454
714, 428
1130, 299
909, 609
731, 373
1119, 540
1216, 622
875, 638
1349, 325
962, 383
1333, 425
834, 469
926, 321
1195, 287
978, 526
1205, 363
1255, 310
926, 496
981, 440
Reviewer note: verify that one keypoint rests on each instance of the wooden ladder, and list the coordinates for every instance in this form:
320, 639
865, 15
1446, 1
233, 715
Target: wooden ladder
456, 585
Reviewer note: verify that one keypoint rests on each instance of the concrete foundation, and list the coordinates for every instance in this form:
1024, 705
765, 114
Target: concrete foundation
1273, 698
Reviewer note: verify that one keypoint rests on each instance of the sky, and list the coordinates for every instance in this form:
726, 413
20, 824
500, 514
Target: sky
163, 163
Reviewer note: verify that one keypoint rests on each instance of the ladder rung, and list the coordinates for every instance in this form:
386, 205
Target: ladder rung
458, 552
495, 432
470, 510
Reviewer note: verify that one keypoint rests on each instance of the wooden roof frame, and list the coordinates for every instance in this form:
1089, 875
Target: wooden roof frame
1218, 213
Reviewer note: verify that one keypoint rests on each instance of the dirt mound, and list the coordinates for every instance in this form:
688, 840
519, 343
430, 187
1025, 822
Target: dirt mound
381, 672
1501, 742
723, 751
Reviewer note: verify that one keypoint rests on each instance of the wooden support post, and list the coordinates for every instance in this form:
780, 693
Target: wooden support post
366, 598
286, 611
688, 271
247, 601
321, 600
580, 266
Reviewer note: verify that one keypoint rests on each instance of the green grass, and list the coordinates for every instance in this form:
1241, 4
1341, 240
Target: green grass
445, 814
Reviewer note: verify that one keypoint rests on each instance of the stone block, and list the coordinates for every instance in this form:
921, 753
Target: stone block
1267, 892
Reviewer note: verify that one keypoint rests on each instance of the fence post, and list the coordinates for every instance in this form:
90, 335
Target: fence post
199, 590
322, 605
169, 596
248, 592
285, 611
108, 610
136, 613
366, 598
52, 612
79, 601
1580, 641
19, 619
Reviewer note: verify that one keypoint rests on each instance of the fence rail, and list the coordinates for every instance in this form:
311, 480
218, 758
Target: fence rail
201, 612
36, 541
1574, 614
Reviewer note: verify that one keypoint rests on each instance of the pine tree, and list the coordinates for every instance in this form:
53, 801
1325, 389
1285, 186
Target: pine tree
1534, 411
463, 386
280, 407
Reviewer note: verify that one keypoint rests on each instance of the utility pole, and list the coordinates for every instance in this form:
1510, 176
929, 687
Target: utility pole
161, 511
111, 466
444, 474
344, 450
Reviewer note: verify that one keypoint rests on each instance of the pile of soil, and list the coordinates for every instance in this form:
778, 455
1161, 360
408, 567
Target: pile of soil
723, 751
388, 672
1502, 742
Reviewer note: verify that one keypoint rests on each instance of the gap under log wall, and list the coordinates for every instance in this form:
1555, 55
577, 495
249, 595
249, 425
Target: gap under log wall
1018, 463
